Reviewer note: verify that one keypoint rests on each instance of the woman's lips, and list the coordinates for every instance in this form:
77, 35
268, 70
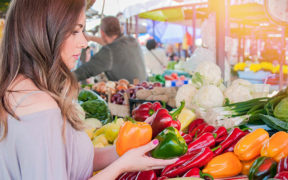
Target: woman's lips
76, 56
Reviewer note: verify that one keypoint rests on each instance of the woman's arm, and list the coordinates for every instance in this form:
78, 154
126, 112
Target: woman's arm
95, 39
103, 157
133, 160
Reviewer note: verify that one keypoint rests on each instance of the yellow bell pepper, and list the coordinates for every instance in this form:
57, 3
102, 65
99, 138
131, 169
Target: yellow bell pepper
224, 165
247, 165
249, 147
98, 140
276, 147
186, 117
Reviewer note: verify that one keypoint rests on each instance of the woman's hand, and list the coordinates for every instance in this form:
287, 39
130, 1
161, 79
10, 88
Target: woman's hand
134, 160
137, 160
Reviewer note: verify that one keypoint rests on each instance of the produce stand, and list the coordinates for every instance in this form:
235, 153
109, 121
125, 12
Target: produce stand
230, 131
222, 131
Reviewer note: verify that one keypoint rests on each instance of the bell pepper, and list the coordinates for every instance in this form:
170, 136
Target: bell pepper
171, 144
181, 160
163, 119
246, 165
199, 160
196, 131
207, 128
224, 165
233, 137
188, 139
145, 110
283, 165
140, 133
250, 145
205, 140
146, 175
263, 168
186, 117
282, 175
276, 147
194, 124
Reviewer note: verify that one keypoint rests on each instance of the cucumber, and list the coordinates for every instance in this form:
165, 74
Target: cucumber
274, 123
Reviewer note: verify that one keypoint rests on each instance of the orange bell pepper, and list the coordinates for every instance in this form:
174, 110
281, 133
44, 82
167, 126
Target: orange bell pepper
132, 135
249, 147
276, 147
247, 165
224, 165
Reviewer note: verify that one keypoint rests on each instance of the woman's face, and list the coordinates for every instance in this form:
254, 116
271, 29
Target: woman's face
75, 42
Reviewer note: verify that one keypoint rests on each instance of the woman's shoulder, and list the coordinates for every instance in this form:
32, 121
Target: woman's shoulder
25, 98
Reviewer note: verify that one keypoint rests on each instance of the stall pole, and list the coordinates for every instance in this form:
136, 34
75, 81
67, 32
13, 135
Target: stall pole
153, 24
220, 10
282, 59
136, 27
194, 28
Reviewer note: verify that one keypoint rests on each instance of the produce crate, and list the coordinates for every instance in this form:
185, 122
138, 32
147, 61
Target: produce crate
117, 109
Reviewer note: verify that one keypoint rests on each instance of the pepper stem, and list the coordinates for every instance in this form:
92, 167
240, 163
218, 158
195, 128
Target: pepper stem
176, 113
214, 135
214, 149
203, 175
164, 105
151, 112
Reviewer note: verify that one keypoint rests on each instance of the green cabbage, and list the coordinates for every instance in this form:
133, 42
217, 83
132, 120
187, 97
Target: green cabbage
281, 110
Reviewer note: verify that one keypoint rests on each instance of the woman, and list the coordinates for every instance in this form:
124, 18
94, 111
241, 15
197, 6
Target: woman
155, 58
40, 130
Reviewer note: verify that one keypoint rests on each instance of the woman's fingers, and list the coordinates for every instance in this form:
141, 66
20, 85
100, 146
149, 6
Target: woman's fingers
149, 146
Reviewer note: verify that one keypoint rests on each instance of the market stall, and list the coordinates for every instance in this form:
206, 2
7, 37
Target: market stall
217, 132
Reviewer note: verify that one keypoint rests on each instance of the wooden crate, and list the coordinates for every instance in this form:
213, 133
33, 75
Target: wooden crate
117, 109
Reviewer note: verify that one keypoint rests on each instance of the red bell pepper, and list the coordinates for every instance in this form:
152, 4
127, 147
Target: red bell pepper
221, 131
188, 139
282, 175
205, 140
199, 160
180, 161
282, 165
145, 110
196, 131
163, 119
233, 136
207, 128
194, 124
146, 175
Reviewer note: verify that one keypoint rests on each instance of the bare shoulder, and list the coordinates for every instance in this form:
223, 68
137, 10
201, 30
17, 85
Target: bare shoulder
28, 99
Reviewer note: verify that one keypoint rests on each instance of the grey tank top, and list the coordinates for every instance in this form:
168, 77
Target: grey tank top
34, 148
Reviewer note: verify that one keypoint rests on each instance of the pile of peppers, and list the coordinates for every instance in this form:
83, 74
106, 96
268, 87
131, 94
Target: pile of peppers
216, 151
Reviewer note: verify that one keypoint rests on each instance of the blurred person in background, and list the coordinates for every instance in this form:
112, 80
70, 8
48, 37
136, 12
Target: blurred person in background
171, 53
120, 57
155, 58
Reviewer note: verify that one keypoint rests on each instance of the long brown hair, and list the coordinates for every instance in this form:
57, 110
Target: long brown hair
33, 36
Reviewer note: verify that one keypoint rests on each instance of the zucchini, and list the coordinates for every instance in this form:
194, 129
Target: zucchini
274, 123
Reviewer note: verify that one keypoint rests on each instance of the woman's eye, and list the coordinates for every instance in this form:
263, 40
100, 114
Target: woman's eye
75, 32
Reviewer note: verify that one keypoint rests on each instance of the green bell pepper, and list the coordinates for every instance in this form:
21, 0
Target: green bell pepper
263, 168
171, 144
